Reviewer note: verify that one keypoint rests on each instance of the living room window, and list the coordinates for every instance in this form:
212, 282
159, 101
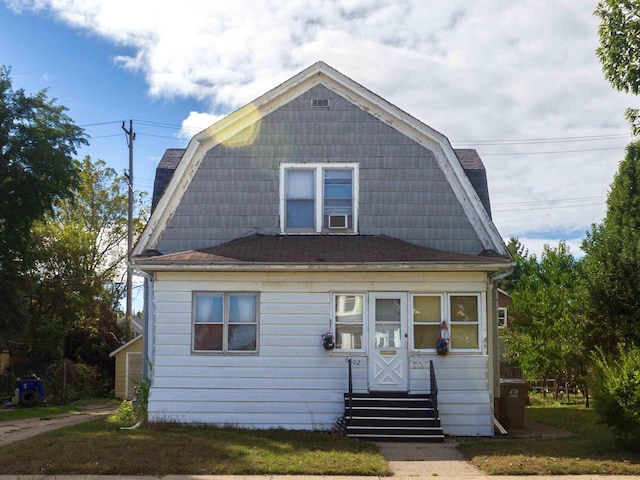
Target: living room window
225, 322
318, 198
454, 316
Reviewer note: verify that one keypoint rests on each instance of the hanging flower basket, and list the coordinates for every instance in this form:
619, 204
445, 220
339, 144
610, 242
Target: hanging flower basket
442, 346
327, 341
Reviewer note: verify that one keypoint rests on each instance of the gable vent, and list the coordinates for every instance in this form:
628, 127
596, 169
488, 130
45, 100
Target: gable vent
320, 102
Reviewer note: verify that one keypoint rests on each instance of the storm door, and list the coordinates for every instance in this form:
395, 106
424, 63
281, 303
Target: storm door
388, 362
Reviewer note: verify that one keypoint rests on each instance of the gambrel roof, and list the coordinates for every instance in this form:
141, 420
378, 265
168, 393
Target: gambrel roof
466, 183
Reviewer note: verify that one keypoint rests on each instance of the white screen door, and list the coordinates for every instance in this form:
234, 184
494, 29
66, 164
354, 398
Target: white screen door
388, 362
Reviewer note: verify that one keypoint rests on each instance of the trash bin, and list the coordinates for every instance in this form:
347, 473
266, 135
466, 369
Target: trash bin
30, 390
514, 396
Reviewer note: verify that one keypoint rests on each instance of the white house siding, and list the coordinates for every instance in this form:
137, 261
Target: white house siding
292, 382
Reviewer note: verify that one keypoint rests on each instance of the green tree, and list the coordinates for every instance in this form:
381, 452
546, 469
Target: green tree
80, 265
619, 50
546, 341
37, 141
612, 262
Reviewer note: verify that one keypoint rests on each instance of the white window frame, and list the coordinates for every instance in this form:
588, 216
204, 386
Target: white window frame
445, 309
443, 314
225, 323
502, 314
318, 169
334, 321
451, 324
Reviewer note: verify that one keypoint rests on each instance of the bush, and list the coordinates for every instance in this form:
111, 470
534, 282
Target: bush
616, 391
141, 400
70, 381
124, 412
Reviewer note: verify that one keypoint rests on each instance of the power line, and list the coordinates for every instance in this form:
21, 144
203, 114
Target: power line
484, 154
525, 141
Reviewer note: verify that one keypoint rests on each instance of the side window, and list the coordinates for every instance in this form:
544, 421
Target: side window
502, 317
427, 317
225, 322
464, 322
348, 319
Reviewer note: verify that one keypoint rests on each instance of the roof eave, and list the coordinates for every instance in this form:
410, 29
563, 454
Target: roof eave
488, 266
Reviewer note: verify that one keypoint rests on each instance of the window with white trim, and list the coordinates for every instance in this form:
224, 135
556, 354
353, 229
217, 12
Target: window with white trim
427, 317
502, 317
318, 198
459, 313
464, 321
348, 321
225, 322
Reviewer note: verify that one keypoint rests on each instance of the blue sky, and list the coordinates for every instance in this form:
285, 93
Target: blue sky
518, 82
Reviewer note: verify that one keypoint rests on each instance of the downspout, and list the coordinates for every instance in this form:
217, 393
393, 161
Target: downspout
495, 363
147, 343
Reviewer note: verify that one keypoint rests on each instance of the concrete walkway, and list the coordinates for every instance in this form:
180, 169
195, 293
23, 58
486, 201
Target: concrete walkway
16, 430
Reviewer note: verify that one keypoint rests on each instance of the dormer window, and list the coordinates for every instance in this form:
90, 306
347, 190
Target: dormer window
318, 198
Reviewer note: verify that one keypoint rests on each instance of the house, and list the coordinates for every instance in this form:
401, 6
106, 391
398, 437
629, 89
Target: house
128, 371
321, 207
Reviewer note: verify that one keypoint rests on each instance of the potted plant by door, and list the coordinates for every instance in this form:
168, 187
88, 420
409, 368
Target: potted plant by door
327, 341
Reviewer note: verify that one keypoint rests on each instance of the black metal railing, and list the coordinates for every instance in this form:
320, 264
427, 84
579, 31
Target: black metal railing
433, 386
350, 406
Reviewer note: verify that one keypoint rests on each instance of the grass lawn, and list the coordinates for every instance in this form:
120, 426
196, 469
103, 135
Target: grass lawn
101, 447
10, 414
590, 451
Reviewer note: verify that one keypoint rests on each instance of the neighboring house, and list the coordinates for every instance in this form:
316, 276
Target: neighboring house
320, 207
128, 360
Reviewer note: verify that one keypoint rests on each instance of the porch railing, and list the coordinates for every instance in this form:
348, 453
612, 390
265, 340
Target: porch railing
433, 386
350, 398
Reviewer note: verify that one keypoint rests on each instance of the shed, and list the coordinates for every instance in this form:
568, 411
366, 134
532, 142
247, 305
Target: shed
128, 367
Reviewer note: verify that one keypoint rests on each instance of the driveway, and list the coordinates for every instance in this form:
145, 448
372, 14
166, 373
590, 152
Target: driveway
16, 430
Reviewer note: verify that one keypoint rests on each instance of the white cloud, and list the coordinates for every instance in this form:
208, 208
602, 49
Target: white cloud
473, 70
196, 122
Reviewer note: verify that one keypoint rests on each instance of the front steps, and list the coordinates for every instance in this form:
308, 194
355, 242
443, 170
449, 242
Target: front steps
392, 417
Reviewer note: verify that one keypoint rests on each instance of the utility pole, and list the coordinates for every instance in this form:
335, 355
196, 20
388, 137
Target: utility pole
131, 136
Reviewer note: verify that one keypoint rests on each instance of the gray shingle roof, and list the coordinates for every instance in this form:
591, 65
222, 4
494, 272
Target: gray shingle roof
316, 249
164, 171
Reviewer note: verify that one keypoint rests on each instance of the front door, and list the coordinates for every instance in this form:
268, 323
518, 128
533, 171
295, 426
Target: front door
388, 359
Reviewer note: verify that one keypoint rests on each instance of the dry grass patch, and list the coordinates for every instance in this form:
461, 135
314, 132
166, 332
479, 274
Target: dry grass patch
591, 450
100, 447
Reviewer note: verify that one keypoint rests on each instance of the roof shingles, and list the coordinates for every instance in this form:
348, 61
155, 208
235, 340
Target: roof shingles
315, 249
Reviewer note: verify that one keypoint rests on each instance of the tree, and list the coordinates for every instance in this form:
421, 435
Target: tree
612, 262
619, 50
37, 141
79, 265
547, 338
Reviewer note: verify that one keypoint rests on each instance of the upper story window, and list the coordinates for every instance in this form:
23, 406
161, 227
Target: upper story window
318, 198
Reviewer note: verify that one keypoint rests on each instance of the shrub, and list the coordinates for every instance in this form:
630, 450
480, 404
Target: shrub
616, 391
141, 400
69, 381
124, 412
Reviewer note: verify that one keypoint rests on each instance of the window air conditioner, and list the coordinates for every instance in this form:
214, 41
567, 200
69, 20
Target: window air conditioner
338, 221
